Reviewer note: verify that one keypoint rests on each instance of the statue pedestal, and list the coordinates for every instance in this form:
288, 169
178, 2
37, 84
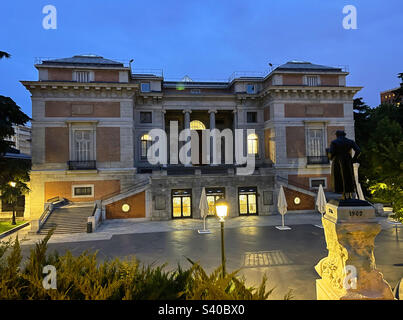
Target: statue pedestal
349, 271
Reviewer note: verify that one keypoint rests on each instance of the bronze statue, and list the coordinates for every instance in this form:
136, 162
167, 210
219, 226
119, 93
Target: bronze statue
342, 178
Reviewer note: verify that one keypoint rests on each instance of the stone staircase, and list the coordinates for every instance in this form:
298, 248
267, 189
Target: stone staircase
71, 218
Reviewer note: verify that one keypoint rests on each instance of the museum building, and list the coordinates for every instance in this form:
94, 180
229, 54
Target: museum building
92, 124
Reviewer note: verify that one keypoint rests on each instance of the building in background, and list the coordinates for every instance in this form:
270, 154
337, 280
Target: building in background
90, 135
22, 139
393, 96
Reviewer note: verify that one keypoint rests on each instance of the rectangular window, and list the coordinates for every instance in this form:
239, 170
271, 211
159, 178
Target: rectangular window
195, 91
247, 198
146, 117
82, 76
316, 145
251, 117
315, 182
146, 143
316, 152
182, 203
145, 87
213, 194
83, 191
312, 81
83, 145
250, 88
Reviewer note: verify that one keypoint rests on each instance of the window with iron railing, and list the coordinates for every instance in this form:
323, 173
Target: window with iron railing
316, 153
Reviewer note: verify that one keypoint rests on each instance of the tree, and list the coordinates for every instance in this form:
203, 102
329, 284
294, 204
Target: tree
379, 133
399, 91
12, 169
11, 192
10, 114
4, 54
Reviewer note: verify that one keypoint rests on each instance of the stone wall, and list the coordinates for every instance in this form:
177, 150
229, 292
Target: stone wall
162, 186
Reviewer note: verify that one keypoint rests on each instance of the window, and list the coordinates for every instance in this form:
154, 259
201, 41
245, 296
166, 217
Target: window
182, 203
146, 142
251, 117
146, 117
83, 191
213, 194
315, 182
197, 125
82, 76
247, 198
195, 91
145, 87
316, 142
83, 145
316, 147
312, 81
253, 144
250, 88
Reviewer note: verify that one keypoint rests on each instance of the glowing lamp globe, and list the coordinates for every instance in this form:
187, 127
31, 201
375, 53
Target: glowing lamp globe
13, 184
221, 207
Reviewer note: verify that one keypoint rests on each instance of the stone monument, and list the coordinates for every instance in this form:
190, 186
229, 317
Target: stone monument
349, 271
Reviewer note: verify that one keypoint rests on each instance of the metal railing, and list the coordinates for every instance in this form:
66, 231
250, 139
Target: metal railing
247, 74
135, 186
147, 72
82, 165
317, 160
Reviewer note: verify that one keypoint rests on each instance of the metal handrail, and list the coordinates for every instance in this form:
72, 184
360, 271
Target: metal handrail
132, 187
293, 183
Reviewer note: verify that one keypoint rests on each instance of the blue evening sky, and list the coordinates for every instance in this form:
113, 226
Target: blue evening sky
206, 39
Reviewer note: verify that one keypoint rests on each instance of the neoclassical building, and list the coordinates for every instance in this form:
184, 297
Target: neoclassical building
92, 119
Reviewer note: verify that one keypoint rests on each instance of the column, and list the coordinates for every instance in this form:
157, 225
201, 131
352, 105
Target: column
187, 113
212, 113
163, 112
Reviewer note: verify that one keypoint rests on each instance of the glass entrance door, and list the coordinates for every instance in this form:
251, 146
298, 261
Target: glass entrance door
182, 203
247, 199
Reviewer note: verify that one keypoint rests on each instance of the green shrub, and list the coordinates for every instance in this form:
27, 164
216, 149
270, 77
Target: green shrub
85, 278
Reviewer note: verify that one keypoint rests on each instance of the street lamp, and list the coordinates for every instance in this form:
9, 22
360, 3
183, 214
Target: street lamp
13, 184
222, 211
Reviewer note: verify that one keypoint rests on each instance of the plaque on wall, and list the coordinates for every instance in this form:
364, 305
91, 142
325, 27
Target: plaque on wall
160, 203
267, 197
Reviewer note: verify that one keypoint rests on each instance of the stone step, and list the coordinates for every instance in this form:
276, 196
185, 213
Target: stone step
68, 219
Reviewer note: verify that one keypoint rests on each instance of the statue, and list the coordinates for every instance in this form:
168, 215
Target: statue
342, 178
349, 271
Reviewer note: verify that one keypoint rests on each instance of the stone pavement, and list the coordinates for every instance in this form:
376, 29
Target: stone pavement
129, 226
252, 245
113, 227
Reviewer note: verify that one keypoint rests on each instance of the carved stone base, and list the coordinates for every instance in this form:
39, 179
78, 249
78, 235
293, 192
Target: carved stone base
349, 271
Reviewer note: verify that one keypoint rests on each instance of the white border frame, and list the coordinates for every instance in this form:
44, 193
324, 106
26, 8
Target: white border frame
82, 186
317, 178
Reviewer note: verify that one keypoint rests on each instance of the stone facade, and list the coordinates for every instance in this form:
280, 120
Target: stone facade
293, 112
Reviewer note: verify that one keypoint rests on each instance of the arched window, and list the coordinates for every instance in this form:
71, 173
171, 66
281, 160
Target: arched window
146, 142
197, 125
253, 144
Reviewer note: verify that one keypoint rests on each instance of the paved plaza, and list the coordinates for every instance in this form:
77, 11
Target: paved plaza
252, 244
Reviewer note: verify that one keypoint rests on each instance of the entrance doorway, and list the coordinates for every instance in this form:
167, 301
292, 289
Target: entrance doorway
198, 126
247, 200
181, 203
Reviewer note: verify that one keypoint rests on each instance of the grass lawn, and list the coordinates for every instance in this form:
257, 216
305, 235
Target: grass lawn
6, 225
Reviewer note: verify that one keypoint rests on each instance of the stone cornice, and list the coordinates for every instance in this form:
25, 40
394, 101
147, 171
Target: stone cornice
304, 92
79, 89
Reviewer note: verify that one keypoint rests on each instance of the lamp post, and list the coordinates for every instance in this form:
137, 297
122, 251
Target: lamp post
13, 184
222, 211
